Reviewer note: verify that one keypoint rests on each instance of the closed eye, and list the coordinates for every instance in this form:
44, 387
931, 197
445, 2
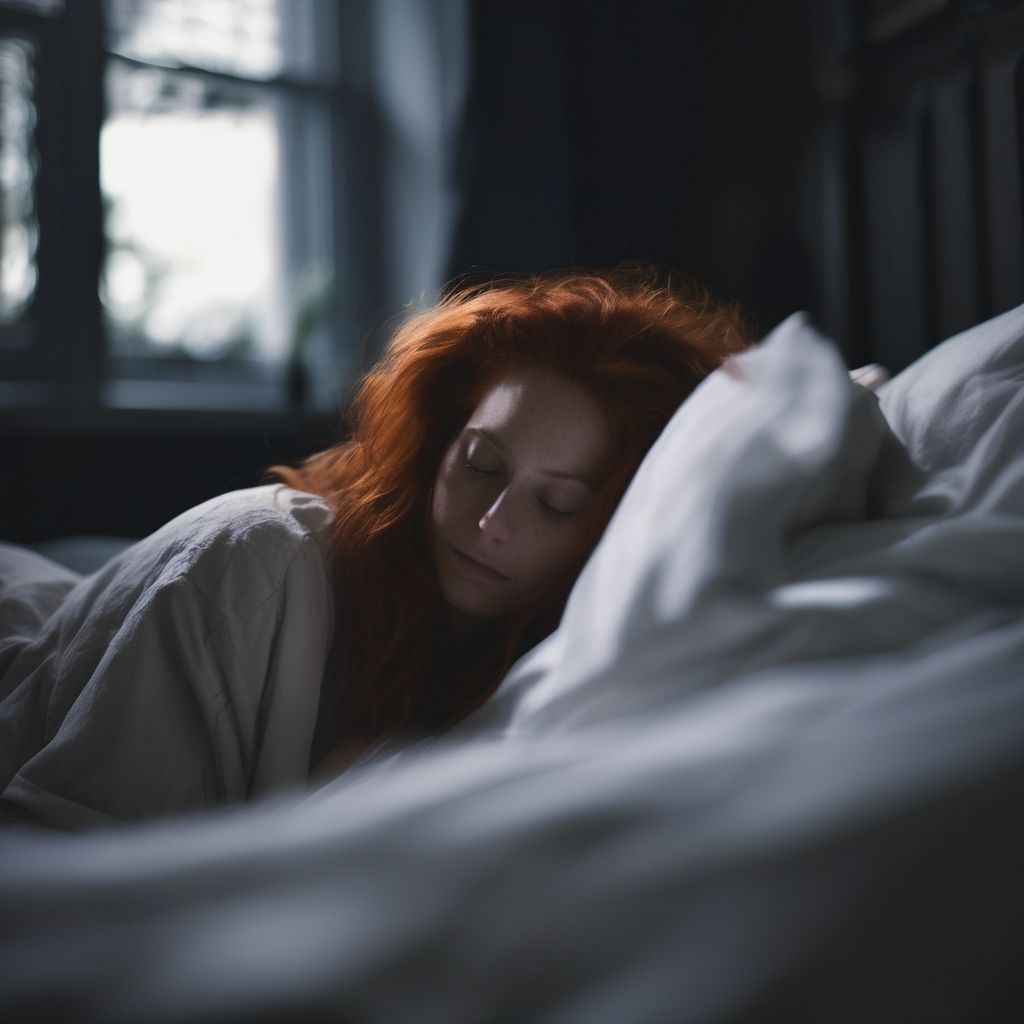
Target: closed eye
476, 470
555, 513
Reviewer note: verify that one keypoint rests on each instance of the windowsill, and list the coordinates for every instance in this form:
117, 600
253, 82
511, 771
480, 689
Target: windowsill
162, 408
193, 396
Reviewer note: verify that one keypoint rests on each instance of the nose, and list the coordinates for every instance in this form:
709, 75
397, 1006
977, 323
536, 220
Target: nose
497, 522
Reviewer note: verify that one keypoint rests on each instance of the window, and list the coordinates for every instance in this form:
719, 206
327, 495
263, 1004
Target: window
169, 203
19, 228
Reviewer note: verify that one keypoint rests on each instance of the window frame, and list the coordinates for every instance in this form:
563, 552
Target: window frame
67, 373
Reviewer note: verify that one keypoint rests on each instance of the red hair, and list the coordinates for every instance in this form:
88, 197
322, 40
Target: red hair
638, 347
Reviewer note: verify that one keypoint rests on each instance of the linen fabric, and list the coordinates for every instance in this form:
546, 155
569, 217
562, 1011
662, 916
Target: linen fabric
183, 674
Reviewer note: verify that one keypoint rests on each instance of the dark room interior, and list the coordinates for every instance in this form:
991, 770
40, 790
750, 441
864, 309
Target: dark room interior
631, 627
782, 154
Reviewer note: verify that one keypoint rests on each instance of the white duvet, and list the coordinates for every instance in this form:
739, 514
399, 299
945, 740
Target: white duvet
183, 674
768, 768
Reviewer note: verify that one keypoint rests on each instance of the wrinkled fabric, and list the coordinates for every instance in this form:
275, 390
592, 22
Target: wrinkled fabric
751, 537
767, 769
183, 674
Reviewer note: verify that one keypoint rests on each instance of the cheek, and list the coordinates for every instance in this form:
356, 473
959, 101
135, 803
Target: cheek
451, 507
555, 560
440, 502
443, 501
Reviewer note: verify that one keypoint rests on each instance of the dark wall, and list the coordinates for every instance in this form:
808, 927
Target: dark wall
802, 154
602, 131
598, 131
127, 480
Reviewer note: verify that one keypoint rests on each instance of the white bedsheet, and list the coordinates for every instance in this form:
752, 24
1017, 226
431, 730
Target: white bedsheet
768, 769
183, 674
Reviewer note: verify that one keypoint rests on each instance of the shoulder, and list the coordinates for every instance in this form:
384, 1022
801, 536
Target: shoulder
232, 552
251, 512
187, 670
251, 540
275, 515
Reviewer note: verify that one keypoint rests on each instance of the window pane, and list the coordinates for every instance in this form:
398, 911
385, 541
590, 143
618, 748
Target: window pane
45, 7
19, 229
250, 38
210, 190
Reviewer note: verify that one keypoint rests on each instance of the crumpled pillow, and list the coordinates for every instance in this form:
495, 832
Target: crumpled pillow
958, 413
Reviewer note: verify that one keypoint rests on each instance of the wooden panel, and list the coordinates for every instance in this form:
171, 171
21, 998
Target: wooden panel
828, 232
1001, 91
895, 240
929, 155
955, 297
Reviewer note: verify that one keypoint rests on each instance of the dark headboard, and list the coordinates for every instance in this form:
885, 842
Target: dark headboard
916, 216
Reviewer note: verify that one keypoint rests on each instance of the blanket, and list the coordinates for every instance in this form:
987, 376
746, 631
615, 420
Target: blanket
767, 768
185, 673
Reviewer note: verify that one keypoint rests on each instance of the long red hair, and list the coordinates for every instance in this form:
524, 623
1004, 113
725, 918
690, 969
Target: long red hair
639, 347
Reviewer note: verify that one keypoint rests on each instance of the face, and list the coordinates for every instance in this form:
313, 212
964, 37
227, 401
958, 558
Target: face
515, 496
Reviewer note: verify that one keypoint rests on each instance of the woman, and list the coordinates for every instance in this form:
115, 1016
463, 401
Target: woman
488, 449
381, 595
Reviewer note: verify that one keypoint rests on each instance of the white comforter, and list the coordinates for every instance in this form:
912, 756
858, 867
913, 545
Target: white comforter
183, 674
768, 768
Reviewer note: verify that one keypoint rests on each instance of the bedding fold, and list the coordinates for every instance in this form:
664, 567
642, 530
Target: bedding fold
767, 768
154, 685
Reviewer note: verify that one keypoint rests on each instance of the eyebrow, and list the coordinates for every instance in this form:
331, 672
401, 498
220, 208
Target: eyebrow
559, 474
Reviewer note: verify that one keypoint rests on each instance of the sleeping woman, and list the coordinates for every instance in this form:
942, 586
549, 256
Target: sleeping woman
377, 592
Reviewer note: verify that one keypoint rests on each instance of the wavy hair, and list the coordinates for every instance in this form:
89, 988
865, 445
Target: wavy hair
639, 347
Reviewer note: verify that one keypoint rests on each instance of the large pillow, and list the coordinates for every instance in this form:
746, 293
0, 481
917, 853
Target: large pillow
775, 443
756, 534
958, 412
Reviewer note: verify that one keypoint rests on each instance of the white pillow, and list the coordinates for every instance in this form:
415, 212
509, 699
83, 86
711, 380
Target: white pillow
780, 519
774, 443
959, 413
769, 525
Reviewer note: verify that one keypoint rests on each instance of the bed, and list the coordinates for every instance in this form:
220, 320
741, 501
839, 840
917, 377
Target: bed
768, 767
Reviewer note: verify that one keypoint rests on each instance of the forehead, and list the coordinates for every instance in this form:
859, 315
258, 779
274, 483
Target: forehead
541, 416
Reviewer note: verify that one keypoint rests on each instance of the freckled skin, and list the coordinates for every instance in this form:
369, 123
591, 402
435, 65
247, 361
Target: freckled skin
516, 492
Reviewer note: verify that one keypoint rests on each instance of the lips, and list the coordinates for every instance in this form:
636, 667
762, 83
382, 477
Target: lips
477, 570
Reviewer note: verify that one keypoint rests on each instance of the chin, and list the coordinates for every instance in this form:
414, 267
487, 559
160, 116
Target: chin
472, 605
